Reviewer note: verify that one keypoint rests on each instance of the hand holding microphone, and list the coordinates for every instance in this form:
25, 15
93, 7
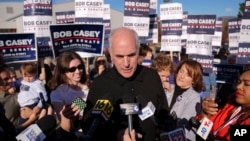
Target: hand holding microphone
129, 108
67, 114
101, 111
126, 136
209, 106
72, 111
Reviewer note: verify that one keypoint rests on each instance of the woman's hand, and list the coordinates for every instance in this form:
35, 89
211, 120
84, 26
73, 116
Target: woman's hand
26, 112
209, 107
70, 111
36, 110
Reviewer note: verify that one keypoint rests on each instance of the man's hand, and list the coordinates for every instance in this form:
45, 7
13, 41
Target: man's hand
12, 90
124, 135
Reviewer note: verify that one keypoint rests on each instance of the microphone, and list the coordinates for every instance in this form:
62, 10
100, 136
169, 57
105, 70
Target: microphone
213, 92
129, 109
170, 122
148, 112
194, 122
43, 100
102, 111
38, 131
203, 128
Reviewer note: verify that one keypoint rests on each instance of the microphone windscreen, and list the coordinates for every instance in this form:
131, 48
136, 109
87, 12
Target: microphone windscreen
47, 123
194, 122
104, 107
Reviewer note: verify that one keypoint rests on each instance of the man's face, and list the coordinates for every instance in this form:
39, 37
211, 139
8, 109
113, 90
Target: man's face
5, 78
124, 55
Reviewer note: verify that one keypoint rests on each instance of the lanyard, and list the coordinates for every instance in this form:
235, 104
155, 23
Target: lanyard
232, 118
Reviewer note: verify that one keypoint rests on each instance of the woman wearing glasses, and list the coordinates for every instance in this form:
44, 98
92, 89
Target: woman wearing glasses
68, 83
100, 65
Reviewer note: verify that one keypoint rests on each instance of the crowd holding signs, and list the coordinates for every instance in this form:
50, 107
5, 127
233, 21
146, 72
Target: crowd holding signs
197, 35
86, 29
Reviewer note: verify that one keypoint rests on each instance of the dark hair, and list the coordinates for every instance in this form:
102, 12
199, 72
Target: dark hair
232, 100
61, 68
96, 65
144, 49
195, 71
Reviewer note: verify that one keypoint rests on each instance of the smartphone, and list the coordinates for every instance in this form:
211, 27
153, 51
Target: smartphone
80, 103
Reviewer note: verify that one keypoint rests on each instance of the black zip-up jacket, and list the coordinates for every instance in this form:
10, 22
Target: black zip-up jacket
144, 86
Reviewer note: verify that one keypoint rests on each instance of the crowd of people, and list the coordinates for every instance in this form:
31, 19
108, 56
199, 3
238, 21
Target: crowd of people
134, 75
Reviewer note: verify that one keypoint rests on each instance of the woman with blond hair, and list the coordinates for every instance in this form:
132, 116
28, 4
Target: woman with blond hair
100, 65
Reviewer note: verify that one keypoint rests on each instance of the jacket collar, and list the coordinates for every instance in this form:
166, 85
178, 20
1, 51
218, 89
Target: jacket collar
137, 76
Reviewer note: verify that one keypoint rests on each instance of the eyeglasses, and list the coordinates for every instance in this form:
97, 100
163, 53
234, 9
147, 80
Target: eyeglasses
101, 62
6, 79
73, 69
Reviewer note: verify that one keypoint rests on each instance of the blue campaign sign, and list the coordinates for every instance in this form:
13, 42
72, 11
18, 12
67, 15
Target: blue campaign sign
228, 73
44, 49
243, 53
18, 47
88, 20
246, 12
201, 24
172, 27
205, 60
234, 25
137, 8
82, 38
63, 17
31, 8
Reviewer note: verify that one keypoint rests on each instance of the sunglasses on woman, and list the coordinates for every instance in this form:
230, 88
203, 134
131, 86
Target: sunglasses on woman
101, 62
6, 78
73, 69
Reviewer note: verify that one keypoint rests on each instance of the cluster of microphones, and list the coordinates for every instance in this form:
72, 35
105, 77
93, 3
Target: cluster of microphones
104, 108
102, 111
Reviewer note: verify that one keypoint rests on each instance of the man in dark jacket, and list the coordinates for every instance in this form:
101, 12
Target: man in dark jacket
126, 82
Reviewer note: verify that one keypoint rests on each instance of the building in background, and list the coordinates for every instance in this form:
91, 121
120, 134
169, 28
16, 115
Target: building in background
12, 12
